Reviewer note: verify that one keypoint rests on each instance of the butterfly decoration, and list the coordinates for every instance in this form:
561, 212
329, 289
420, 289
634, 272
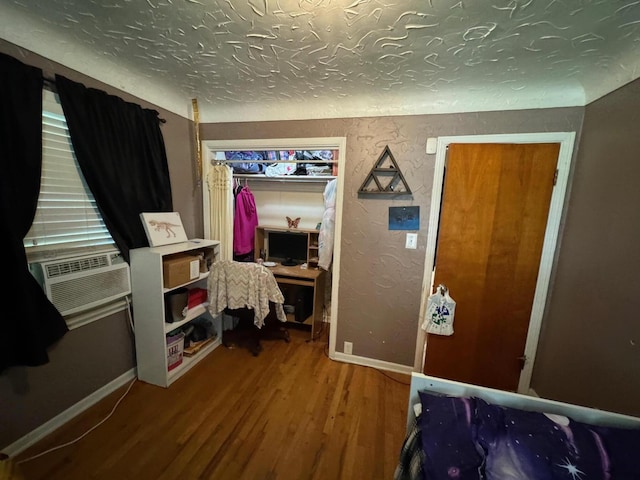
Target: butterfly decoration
293, 223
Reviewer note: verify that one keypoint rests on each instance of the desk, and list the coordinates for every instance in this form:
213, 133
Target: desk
293, 281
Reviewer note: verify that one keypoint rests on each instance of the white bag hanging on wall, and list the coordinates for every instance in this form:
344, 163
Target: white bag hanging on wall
440, 311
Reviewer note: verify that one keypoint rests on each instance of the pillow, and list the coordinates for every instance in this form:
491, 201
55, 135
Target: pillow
623, 449
447, 427
537, 446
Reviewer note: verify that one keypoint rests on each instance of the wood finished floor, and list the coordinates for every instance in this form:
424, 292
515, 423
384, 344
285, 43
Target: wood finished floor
290, 413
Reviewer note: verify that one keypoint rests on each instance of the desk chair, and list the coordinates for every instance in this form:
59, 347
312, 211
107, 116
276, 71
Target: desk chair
246, 334
248, 291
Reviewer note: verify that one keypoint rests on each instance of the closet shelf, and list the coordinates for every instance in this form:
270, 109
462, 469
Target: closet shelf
285, 178
304, 161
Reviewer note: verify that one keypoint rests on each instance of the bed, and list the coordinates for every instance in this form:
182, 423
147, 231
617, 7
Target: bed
462, 431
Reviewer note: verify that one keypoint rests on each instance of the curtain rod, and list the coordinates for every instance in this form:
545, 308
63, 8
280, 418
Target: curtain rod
51, 84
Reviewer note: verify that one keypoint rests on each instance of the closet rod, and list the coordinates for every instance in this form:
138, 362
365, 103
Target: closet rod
273, 161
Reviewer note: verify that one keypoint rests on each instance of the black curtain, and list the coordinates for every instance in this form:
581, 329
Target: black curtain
30, 324
120, 150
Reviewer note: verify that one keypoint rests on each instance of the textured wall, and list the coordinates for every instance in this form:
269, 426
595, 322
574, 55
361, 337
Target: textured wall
380, 280
91, 356
591, 333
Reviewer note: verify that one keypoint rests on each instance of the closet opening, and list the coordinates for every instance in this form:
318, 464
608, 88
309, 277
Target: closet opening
257, 191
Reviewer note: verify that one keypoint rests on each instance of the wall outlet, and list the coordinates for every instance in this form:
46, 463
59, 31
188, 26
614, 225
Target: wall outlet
412, 240
348, 348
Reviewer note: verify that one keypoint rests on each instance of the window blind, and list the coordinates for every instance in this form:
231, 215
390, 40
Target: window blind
67, 216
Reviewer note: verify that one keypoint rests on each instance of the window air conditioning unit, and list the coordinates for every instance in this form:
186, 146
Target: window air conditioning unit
79, 283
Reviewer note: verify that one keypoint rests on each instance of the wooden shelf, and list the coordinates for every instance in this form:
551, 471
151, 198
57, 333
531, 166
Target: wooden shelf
295, 281
385, 177
262, 232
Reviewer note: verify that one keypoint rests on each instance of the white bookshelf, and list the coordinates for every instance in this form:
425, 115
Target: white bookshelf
148, 296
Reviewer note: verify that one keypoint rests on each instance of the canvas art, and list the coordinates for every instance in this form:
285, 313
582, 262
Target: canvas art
163, 228
404, 218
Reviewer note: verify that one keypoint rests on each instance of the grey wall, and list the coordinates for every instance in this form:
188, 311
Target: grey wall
590, 344
91, 356
589, 347
380, 280
83, 361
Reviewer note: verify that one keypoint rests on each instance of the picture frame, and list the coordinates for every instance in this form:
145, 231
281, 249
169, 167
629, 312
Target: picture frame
163, 228
404, 218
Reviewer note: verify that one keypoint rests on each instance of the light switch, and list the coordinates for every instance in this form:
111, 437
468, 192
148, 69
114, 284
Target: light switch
432, 145
412, 240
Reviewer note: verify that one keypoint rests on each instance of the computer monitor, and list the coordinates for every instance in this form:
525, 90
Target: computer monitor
288, 248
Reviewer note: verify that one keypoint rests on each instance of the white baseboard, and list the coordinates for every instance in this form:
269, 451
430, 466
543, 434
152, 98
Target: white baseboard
369, 362
56, 422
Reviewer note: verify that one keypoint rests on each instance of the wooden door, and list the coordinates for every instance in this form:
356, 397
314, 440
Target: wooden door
494, 211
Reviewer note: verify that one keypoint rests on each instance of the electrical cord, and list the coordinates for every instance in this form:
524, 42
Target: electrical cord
85, 433
129, 314
319, 334
394, 379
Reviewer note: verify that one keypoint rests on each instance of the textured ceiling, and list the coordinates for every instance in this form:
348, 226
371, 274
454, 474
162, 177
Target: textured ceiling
292, 59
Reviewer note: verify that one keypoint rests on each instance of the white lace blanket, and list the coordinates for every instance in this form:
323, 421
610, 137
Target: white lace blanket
234, 284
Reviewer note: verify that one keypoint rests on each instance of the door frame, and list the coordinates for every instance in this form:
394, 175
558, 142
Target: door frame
312, 143
566, 141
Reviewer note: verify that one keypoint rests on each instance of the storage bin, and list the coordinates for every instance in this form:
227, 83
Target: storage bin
175, 350
175, 305
180, 269
197, 296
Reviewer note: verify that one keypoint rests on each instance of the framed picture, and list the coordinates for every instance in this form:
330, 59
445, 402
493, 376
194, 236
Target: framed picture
404, 218
163, 228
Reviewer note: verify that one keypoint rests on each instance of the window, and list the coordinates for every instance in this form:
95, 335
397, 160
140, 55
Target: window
67, 217
67, 223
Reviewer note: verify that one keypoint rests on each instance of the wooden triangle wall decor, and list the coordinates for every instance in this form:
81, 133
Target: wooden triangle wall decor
385, 177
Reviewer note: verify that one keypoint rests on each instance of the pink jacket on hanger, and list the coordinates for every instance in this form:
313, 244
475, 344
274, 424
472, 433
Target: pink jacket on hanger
245, 221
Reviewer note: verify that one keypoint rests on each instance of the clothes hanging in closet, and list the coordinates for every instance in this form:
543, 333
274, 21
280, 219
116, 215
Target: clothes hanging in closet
220, 185
327, 227
245, 221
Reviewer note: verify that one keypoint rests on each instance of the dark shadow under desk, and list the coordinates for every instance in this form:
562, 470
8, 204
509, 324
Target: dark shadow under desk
247, 335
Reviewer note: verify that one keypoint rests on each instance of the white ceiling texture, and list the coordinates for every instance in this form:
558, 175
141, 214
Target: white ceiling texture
292, 59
